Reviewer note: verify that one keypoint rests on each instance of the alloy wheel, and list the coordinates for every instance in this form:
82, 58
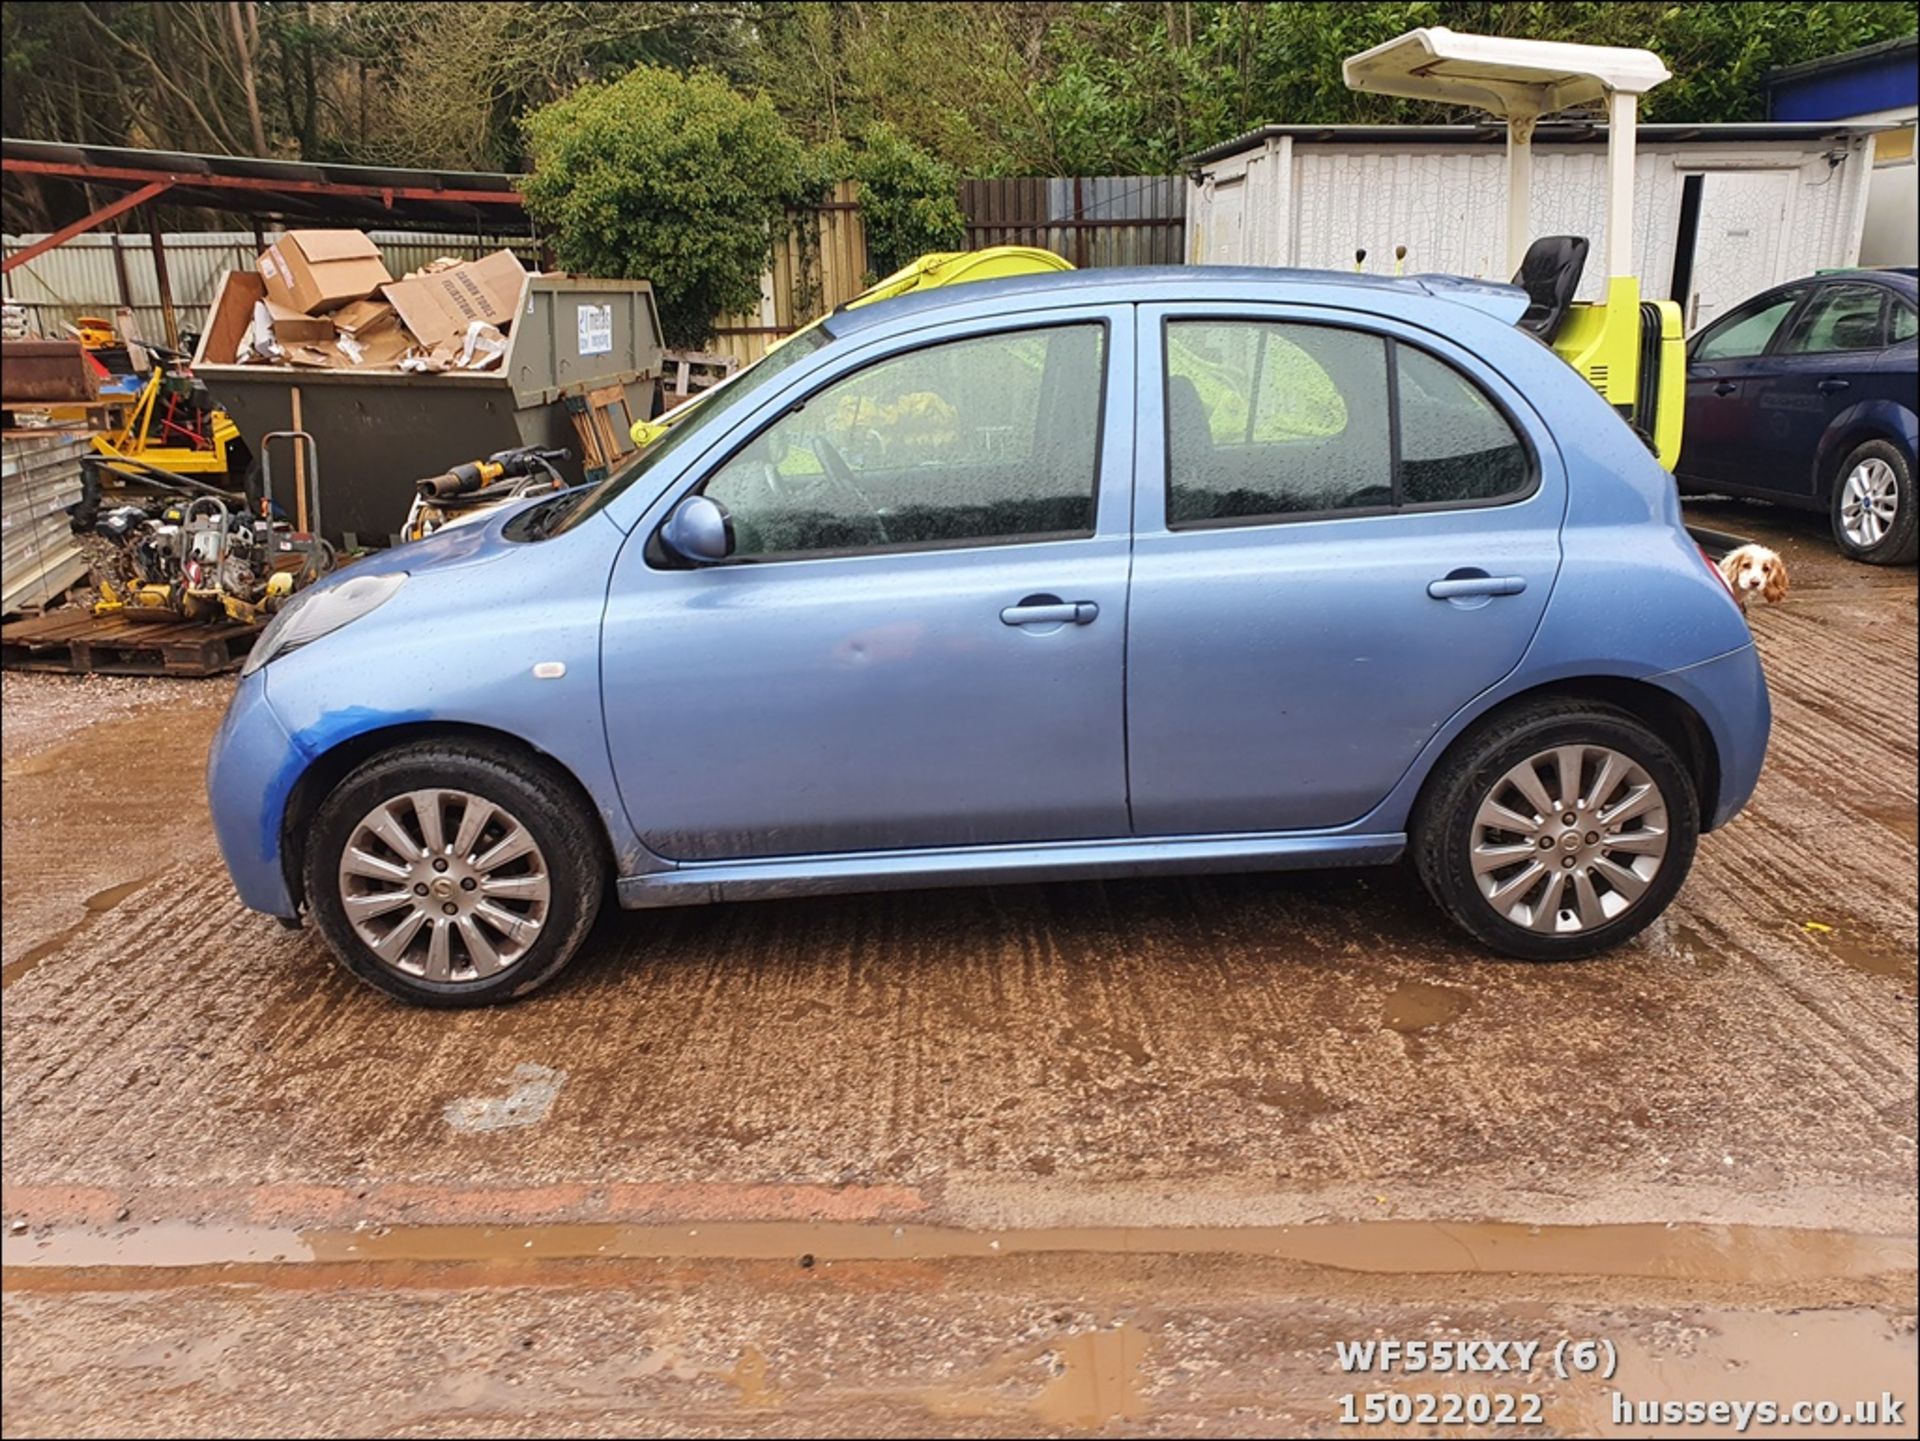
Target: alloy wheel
444, 885
1869, 502
1569, 839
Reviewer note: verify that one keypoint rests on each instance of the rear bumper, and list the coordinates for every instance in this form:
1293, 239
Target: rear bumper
250, 773
1728, 693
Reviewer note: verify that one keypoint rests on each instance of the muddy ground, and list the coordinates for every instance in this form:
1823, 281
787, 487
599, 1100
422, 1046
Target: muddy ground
1128, 1157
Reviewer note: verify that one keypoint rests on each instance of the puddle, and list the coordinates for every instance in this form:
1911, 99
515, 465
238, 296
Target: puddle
106, 900
1416, 1006
1869, 960
1904, 819
95, 904
750, 1375
21, 965
1746, 1357
80, 1258
1099, 1380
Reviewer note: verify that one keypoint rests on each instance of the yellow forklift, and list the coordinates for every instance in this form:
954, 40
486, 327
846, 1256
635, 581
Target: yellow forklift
1630, 350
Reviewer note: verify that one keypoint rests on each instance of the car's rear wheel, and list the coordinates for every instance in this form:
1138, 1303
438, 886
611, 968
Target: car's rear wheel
1874, 515
1557, 831
453, 874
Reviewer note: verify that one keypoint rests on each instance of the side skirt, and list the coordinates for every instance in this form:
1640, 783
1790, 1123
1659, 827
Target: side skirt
698, 883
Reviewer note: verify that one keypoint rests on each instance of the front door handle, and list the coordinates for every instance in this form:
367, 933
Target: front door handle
1455, 586
1050, 610
1832, 385
1725, 387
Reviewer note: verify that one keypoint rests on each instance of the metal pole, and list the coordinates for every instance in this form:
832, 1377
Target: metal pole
160, 276
1621, 113
1519, 189
120, 268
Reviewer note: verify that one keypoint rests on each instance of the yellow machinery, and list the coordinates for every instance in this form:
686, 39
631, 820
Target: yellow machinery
165, 428
945, 267
1631, 351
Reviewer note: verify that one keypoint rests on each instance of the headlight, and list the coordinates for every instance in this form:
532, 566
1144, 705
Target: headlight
315, 613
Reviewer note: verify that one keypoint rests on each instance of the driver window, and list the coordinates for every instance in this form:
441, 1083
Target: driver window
1746, 332
990, 439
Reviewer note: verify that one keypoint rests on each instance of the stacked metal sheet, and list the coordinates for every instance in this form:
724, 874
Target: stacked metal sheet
39, 557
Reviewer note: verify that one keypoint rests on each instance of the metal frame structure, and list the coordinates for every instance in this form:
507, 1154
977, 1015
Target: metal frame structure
288, 189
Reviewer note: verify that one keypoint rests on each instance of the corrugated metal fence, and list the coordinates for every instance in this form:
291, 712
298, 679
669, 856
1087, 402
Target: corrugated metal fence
83, 276
819, 262
1090, 220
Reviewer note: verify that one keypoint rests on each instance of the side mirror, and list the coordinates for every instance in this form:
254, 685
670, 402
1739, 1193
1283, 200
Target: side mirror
698, 531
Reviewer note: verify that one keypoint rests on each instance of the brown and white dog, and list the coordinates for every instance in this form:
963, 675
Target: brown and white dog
1754, 572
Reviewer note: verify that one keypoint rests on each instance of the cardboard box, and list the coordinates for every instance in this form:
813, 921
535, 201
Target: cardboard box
364, 317
441, 306
296, 327
313, 271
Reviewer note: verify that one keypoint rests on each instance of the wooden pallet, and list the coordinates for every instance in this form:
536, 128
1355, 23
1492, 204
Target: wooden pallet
75, 641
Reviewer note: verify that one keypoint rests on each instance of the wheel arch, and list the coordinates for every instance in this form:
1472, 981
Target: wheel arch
1660, 710
1883, 420
330, 767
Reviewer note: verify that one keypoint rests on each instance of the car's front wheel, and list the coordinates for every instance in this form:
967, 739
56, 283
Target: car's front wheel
453, 874
1557, 831
1874, 515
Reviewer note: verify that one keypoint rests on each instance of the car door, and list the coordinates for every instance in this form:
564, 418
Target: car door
1821, 365
918, 640
1318, 587
1724, 362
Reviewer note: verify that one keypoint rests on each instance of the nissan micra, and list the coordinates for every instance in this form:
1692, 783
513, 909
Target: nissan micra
1089, 574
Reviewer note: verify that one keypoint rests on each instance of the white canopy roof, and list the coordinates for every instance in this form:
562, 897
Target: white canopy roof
1515, 79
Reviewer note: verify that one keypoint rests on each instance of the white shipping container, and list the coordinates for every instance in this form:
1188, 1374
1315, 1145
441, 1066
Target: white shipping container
1777, 201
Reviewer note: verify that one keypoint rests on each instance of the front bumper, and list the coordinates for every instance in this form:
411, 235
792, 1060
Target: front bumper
1729, 693
251, 771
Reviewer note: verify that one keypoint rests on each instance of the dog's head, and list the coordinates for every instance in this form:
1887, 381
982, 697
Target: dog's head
1755, 573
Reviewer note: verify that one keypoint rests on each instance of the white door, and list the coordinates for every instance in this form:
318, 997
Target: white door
1227, 217
1737, 252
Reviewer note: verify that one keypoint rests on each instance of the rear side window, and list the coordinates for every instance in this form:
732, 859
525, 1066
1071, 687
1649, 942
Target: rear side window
1454, 444
1901, 324
1838, 318
1747, 331
1276, 420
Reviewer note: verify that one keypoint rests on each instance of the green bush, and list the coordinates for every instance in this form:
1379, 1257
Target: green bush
680, 180
909, 201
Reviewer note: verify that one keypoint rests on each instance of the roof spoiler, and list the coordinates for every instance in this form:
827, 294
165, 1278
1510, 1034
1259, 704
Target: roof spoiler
1505, 303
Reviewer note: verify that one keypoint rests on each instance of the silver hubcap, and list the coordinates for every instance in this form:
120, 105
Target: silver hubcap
1569, 839
1869, 501
444, 885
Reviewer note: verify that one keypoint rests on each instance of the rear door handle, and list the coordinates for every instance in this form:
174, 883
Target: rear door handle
1453, 587
1046, 610
1725, 387
1832, 385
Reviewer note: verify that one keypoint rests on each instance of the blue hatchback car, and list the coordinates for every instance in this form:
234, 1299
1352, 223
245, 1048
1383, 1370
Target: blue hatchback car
1090, 574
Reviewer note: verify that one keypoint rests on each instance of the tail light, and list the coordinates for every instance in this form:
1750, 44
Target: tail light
1718, 575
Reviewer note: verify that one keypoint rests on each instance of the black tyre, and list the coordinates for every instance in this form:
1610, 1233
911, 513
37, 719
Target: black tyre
1557, 830
450, 873
1873, 511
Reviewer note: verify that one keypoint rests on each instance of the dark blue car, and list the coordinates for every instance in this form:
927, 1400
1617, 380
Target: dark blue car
1806, 395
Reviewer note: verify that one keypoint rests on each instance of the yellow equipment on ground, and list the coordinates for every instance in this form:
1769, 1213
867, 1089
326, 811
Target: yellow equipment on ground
1631, 351
165, 427
944, 267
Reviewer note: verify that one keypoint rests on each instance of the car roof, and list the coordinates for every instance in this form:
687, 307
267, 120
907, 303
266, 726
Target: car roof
1188, 282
